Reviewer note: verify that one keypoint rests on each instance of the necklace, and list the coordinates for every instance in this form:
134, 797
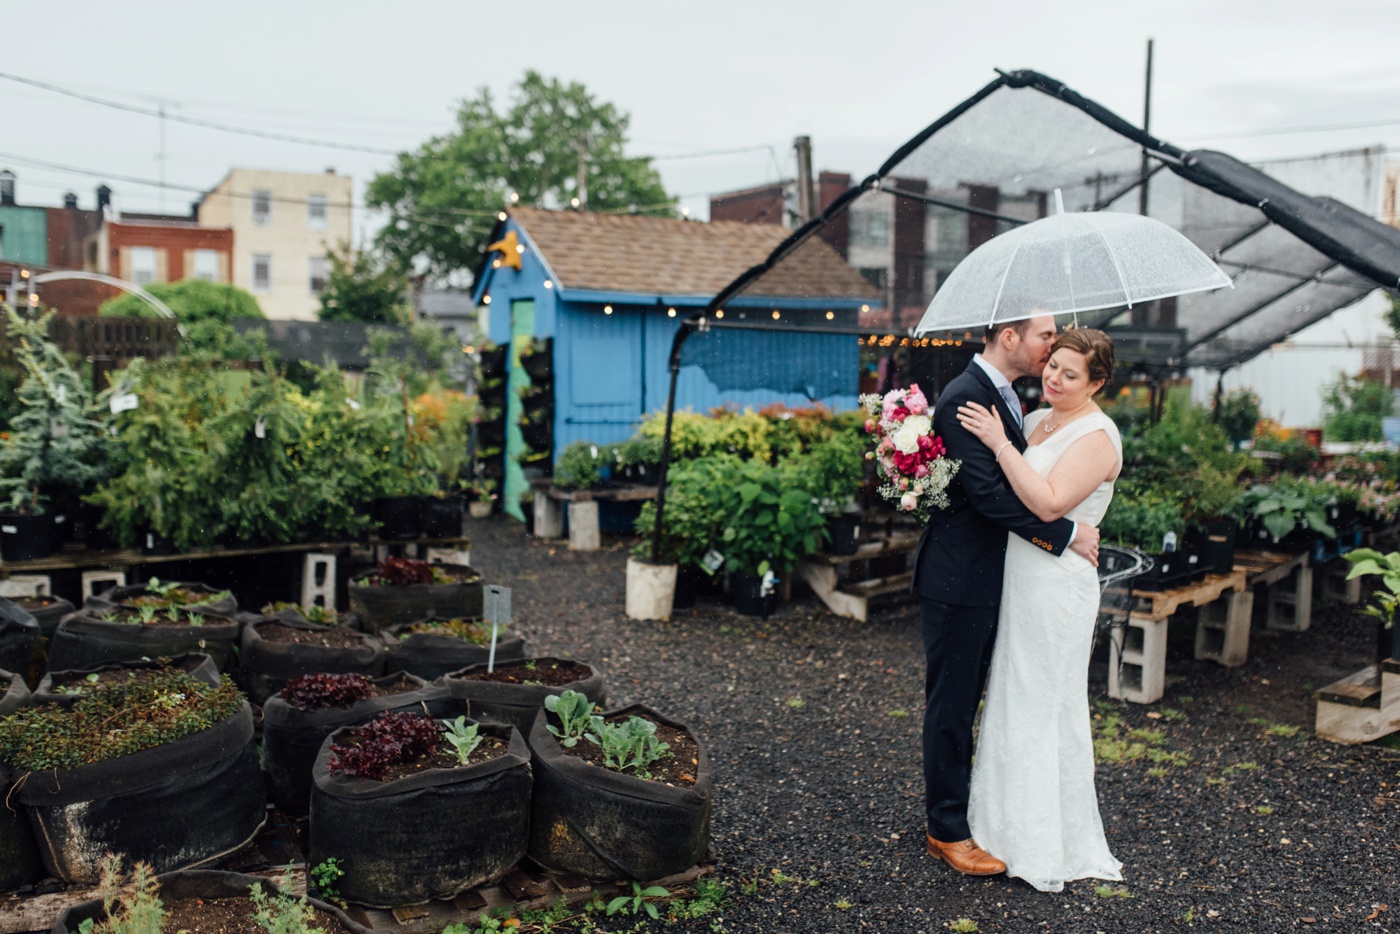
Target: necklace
1049, 429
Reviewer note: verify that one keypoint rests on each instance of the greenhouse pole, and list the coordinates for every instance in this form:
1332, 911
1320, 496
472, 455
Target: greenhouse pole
686, 329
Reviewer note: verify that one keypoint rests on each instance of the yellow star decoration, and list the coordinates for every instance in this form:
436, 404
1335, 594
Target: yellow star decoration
509, 248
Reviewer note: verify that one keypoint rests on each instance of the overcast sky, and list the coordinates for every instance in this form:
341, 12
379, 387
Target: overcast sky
859, 78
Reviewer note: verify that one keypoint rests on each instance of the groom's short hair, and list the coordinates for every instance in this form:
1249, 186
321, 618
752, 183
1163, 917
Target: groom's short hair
995, 328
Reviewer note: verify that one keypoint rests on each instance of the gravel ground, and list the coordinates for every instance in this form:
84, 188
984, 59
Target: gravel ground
812, 725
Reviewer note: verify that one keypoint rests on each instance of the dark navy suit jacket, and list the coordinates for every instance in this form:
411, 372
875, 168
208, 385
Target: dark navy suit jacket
962, 550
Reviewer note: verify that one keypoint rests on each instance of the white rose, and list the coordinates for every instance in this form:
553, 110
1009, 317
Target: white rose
906, 437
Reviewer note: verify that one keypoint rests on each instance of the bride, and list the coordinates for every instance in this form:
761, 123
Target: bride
1033, 801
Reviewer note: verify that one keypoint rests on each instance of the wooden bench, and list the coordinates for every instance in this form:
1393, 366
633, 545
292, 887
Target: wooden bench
584, 534
1361, 707
852, 598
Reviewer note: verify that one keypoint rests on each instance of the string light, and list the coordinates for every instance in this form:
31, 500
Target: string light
864, 309
520, 248
549, 283
573, 202
495, 264
830, 315
468, 348
776, 315
670, 312
501, 216
719, 313
486, 300
607, 309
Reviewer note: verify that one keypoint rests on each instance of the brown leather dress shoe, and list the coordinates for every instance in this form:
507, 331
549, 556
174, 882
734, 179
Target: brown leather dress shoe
966, 857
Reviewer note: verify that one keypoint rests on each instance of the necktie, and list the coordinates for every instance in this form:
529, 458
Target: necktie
1013, 403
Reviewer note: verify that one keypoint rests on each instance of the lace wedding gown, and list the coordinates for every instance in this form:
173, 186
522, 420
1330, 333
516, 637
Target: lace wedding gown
1033, 802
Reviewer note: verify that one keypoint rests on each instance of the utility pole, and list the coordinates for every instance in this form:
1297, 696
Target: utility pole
806, 196
1146, 128
582, 186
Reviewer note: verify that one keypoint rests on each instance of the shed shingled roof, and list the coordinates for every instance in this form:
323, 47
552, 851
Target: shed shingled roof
663, 256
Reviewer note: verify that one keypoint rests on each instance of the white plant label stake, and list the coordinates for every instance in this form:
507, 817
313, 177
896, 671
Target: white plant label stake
260, 427
496, 606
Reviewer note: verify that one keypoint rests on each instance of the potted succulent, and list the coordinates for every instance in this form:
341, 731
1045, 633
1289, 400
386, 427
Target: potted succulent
289, 641
163, 769
401, 590
158, 618
430, 648
619, 795
514, 691
416, 808
311, 707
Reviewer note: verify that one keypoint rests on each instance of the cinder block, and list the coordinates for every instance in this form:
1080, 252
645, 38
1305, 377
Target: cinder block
1222, 629
1290, 602
318, 580
549, 516
461, 556
583, 527
1332, 584
26, 585
96, 582
1137, 661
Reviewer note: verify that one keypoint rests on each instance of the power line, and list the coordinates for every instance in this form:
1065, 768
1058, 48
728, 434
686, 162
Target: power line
194, 121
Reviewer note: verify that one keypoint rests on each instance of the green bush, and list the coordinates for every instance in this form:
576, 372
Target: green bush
697, 499
1353, 409
1141, 521
580, 464
1238, 414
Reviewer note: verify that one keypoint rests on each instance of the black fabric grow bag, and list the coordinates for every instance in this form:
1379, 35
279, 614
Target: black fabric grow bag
48, 616
430, 835
206, 884
19, 856
382, 607
265, 666
19, 636
292, 737
603, 824
431, 656
516, 704
82, 640
124, 597
174, 806
197, 665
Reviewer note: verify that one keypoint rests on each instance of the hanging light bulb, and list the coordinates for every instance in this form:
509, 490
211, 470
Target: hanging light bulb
830, 315
670, 312
607, 309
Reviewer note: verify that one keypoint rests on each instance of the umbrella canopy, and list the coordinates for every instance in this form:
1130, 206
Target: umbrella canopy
1069, 263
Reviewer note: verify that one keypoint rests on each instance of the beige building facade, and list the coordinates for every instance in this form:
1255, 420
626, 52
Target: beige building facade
284, 224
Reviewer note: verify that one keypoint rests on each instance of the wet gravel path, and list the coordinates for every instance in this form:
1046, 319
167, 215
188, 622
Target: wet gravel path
812, 725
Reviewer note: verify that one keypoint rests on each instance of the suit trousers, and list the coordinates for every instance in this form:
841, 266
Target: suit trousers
958, 644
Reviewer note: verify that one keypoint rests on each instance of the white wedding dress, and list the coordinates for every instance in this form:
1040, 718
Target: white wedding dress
1033, 802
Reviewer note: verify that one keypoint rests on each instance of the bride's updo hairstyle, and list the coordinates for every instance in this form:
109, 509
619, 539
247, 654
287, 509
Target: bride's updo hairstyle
1097, 348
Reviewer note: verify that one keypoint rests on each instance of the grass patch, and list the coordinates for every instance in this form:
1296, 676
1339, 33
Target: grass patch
1263, 810
963, 926
1111, 745
898, 713
1108, 891
1285, 730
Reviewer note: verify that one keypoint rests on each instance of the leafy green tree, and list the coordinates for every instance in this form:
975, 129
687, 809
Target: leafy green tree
364, 286
443, 198
1353, 407
205, 310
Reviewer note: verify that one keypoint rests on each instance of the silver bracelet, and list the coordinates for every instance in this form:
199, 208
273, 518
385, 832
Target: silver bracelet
997, 459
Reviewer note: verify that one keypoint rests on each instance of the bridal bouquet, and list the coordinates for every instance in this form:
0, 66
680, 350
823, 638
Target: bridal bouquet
910, 457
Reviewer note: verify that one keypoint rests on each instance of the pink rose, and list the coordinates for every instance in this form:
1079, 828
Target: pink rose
915, 400
870, 426
908, 502
921, 471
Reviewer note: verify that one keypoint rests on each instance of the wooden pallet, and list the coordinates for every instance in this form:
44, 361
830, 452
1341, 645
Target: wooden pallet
1152, 605
853, 598
1360, 707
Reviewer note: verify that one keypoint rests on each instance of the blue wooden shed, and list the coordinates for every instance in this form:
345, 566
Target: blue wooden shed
611, 290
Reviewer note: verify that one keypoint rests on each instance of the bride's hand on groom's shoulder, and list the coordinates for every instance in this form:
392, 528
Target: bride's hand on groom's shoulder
983, 423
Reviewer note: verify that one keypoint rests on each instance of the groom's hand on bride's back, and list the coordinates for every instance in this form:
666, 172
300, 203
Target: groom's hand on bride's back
1086, 543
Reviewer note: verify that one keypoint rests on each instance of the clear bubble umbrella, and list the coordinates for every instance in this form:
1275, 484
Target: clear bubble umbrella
1068, 263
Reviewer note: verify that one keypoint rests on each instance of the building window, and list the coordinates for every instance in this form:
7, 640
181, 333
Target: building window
206, 265
870, 228
262, 208
262, 272
316, 212
877, 276
143, 265
320, 270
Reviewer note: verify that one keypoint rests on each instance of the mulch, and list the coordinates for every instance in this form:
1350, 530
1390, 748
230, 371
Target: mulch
812, 725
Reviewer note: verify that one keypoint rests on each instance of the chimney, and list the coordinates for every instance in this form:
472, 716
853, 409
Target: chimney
7, 188
194, 211
70, 201
104, 197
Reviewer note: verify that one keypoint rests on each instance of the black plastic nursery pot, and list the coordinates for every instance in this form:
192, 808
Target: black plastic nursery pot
292, 738
25, 536
433, 834
174, 806
382, 607
844, 531
749, 599
267, 665
516, 703
432, 655
57, 686
204, 885
19, 854
442, 518
1169, 569
603, 824
399, 517
19, 636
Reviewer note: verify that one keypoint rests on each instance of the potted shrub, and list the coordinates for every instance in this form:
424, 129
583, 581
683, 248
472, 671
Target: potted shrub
639, 459
481, 497
832, 471
163, 769
53, 448
19, 855
446, 417
311, 707
292, 641
697, 494
581, 466
151, 620
1385, 601
1287, 515
198, 900
513, 692
401, 590
433, 647
417, 808
622, 795
1148, 522
770, 525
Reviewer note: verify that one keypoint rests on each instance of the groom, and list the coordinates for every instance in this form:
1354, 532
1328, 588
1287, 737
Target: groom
957, 577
